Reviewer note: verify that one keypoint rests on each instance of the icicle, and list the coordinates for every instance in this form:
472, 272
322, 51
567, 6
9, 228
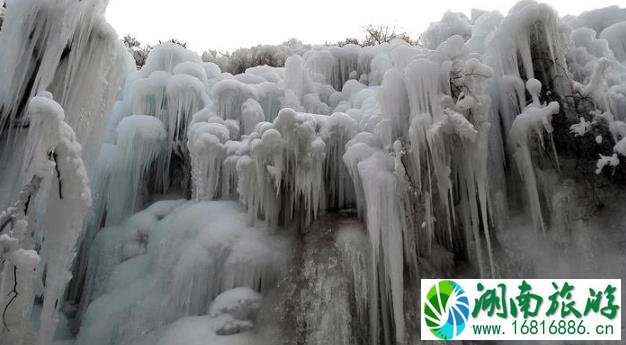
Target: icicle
288, 157
416, 142
336, 132
65, 47
56, 156
355, 153
206, 146
141, 140
385, 225
251, 115
614, 35
395, 101
229, 95
529, 122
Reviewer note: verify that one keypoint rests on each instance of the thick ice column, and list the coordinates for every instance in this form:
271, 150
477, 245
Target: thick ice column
229, 95
531, 122
385, 226
65, 47
141, 139
395, 102
336, 132
358, 150
251, 114
297, 77
281, 169
55, 155
207, 149
615, 34
303, 164
185, 96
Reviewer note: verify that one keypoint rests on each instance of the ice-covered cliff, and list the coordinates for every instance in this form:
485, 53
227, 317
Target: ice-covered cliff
180, 204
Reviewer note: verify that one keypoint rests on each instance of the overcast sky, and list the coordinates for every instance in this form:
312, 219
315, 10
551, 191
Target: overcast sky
231, 24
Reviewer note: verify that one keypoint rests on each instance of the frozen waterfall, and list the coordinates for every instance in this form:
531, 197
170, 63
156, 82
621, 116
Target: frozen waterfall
301, 204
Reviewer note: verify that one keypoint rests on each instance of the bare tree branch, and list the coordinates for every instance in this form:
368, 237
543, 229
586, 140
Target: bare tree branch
15, 294
20, 207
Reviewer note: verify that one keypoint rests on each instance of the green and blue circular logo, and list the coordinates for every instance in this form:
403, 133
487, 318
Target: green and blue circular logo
446, 309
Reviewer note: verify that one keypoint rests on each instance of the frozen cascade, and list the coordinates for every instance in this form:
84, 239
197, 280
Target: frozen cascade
386, 227
281, 168
238, 203
336, 132
206, 147
67, 202
140, 139
217, 252
614, 35
65, 47
54, 163
531, 121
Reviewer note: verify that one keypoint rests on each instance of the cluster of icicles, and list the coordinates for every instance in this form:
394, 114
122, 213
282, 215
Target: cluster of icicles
58, 175
418, 140
405, 139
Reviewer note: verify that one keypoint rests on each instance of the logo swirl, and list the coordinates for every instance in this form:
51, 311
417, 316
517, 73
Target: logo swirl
446, 309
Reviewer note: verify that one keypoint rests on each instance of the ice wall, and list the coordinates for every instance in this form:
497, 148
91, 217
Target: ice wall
323, 189
43, 226
170, 261
67, 48
432, 145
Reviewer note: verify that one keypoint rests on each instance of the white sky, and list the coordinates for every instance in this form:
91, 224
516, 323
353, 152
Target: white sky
231, 24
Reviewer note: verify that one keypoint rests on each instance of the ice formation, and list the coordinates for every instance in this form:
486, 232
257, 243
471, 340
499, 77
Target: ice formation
57, 173
293, 193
